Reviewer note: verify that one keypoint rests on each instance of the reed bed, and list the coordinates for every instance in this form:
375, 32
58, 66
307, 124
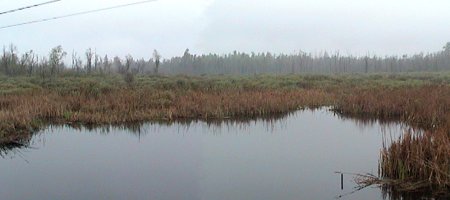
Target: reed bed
21, 113
420, 159
426, 107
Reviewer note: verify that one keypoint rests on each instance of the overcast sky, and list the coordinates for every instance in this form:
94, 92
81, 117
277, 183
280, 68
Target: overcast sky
358, 27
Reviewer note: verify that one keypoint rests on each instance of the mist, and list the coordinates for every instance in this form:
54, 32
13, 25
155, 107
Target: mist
221, 26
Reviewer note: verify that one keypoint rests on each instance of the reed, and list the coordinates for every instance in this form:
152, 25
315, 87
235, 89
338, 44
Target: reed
24, 112
419, 159
422, 106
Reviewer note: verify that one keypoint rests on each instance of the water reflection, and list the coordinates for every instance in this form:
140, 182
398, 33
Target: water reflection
291, 156
425, 194
214, 124
12, 146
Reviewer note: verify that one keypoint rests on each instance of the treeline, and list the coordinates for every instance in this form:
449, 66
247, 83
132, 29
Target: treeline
29, 63
325, 63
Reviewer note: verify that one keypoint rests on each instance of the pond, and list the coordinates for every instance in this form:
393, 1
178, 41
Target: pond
290, 157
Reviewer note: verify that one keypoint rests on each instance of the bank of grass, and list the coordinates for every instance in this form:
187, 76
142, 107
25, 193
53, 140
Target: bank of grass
420, 100
98, 83
420, 159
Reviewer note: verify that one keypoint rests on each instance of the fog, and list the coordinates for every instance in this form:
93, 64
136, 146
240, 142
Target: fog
355, 27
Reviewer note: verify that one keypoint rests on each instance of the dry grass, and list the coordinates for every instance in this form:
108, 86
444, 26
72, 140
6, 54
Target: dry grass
19, 113
418, 159
425, 106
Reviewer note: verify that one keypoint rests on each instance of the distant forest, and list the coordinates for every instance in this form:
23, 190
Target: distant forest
13, 63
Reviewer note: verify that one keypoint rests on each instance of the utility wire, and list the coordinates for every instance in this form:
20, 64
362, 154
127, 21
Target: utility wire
76, 14
27, 7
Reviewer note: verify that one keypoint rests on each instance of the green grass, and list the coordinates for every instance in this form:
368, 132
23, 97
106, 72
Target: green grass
104, 83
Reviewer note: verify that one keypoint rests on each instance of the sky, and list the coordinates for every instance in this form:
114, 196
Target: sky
358, 27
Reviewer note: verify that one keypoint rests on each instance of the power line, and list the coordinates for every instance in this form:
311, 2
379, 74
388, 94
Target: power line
27, 7
76, 14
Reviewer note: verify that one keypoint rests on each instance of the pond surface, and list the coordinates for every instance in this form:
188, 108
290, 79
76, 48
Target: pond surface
294, 157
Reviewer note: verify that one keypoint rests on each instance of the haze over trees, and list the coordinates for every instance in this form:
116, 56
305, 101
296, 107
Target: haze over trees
12, 63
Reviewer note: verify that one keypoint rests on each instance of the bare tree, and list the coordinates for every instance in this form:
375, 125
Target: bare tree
77, 63
128, 76
447, 48
97, 62
33, 64
9, 60
156, 57
366, 64
140, 64
106, 64
89, 56
117, 64
128, 62
23, 63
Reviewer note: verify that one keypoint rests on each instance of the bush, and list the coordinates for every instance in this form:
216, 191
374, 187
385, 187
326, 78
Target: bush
129, 78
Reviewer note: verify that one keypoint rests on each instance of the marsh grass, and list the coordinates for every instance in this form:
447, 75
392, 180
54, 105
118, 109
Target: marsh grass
417, 160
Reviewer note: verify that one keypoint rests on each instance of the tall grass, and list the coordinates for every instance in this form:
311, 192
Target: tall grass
419, 159
425, 106
24, 112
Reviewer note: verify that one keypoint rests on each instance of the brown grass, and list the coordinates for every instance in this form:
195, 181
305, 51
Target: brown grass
25, 112
426, 106
419, 159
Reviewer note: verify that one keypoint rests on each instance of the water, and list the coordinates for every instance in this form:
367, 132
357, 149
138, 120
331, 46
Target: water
294, 157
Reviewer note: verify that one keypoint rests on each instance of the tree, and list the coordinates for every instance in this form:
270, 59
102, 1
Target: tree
187, 61
128, 76
43, 67
9, 60
186, 54
56, 59
76, 62
117, 64
140, 64
366, 64
128, 61
447, 48
106, 64
89, 56
156, 57
28, 62
97, 61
